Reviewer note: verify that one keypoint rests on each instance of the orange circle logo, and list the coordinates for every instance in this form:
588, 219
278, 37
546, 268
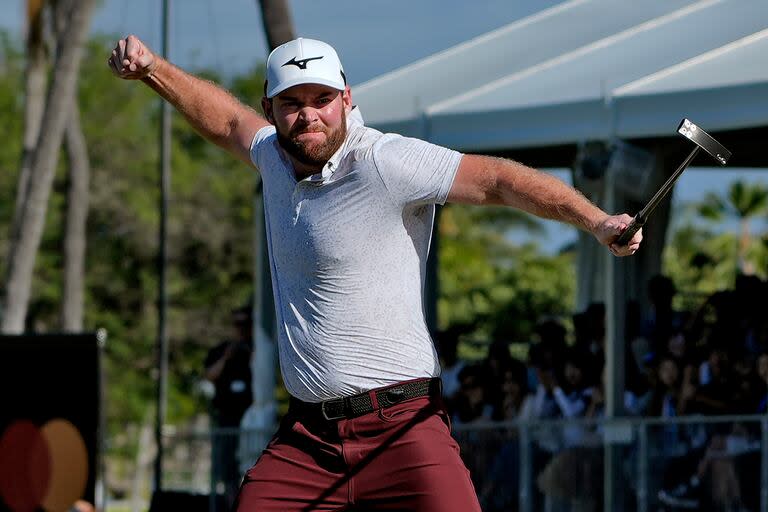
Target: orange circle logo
43, 467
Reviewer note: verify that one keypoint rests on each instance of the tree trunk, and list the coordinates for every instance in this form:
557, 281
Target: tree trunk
75, 230
278, 27
277, 21
57, 111
145, 454
78, 199
34, 94
745, 267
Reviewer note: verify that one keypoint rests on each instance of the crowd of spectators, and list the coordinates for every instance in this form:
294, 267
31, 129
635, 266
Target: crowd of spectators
710, 361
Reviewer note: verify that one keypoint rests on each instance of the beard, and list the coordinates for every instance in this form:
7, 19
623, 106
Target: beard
316, 155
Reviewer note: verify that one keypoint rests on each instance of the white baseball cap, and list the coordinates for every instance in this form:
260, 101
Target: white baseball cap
303, 61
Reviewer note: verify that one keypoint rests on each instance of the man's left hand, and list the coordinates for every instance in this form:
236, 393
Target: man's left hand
608, 231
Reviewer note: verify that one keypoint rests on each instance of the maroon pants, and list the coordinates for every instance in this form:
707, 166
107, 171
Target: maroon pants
400, 458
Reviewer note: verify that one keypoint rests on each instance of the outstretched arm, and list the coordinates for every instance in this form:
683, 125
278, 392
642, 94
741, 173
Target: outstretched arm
489, 180
212, 111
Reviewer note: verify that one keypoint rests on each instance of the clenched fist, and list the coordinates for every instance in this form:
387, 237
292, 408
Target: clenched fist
132, 59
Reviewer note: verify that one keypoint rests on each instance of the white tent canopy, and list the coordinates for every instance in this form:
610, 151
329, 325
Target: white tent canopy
584, 70
396, 101
726, 88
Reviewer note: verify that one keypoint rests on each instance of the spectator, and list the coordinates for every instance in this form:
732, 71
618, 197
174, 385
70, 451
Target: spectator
546, 353
718, 468
670, 392
715, 322
514, 400
559, 394
451, 365
494, 365
661, 319
499, 489
228, 367
639, 348
762, 373
752, 328
469, 404
589, 334
571, 475
680, 446
716, 476
716, 391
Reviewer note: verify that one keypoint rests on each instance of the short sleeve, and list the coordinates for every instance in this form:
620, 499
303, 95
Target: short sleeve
261, 139
415, 171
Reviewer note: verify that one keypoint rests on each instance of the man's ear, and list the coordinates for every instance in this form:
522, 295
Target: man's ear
266, 106
346, 97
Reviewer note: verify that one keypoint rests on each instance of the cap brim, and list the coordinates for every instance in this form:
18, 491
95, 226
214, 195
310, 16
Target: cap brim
271, 93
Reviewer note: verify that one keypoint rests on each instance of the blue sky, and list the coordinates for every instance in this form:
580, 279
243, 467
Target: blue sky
371, 36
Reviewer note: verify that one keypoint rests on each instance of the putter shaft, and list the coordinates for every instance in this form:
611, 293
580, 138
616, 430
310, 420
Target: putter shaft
643, 214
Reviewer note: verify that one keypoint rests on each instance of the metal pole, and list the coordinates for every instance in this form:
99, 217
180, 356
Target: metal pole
162, 299
764, 465
526, 469
642, 467
264, 359
614, 360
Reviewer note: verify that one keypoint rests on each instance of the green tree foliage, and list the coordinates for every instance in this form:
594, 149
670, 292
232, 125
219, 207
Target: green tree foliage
492, 288
700, 261
12, 107
742, 202
210, 238
704, 258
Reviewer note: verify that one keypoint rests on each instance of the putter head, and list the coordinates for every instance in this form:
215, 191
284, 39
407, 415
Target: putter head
704, 140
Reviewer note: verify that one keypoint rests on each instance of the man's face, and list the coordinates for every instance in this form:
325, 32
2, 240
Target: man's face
668, 372
573, 374
762, 367
311, 121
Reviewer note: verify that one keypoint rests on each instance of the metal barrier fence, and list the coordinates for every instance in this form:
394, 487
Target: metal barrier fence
551, 466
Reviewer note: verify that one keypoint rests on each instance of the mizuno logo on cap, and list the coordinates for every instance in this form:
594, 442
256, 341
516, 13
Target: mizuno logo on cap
301, 64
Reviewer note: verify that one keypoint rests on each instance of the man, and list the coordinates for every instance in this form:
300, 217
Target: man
349, 213
228, 368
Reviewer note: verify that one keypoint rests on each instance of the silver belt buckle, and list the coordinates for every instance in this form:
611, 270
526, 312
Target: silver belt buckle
328, 416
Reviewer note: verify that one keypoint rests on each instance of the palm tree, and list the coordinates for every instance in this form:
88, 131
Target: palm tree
278, 27
277, 21
58, 107
77, 203
34, 93
742, 202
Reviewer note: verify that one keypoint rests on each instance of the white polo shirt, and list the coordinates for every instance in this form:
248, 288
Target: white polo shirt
348, 251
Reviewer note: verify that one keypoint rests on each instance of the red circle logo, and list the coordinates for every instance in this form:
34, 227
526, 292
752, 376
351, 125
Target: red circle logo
42, 467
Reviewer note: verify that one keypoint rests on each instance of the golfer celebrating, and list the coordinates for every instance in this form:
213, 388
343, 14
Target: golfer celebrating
349, 213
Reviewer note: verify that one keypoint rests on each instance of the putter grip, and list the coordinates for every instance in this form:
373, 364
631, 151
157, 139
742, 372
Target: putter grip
628, 233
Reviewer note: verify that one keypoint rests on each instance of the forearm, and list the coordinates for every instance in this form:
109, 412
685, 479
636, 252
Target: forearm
213, 372
212, 111
541, 194
568, 408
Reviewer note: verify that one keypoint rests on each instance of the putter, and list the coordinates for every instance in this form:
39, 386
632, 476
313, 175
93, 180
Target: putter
704, 141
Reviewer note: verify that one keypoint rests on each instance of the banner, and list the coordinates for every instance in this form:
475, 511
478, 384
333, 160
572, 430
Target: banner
50, 417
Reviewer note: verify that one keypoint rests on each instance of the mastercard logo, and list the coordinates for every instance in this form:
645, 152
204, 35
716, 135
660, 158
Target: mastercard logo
42, 467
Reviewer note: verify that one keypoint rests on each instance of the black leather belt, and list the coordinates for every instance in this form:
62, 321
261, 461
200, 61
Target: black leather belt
362, 403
